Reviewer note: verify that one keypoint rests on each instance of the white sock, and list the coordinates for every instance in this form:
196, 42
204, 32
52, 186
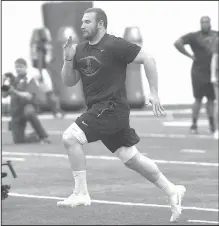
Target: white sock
80, 182
164, 184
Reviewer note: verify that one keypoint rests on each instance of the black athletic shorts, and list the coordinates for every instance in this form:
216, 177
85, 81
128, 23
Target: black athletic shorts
201, 90
201, 85
108, 121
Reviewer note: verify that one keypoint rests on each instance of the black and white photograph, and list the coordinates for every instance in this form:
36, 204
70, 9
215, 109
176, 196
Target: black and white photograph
109, 112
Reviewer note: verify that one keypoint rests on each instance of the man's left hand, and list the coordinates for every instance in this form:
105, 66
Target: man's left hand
155, 101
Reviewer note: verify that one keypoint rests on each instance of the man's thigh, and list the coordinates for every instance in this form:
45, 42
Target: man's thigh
124, 138
209, 91
198, 91
103, 119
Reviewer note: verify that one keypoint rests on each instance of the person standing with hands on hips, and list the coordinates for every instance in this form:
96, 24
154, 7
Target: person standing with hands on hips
201, 45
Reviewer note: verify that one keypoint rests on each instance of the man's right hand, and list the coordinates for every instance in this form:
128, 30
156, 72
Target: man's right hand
69, 50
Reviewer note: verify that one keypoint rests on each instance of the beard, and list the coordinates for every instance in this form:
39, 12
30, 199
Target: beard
206, 29
89, 35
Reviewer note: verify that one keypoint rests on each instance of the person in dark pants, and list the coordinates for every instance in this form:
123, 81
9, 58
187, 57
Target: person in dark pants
23, 100
201, 45
101, 62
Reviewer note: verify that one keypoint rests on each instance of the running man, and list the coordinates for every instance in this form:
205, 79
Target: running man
100, 62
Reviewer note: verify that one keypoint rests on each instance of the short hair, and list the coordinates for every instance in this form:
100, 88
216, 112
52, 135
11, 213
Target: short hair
21, 61
100, 15
205, 17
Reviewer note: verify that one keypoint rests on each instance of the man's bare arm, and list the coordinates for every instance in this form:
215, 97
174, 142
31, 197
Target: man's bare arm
180, 46
214, 67
70, 77
150, 68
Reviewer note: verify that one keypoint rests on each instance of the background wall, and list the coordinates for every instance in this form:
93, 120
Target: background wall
161, 23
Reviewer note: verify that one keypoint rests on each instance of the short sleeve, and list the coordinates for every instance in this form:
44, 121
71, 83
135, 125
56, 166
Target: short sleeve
125, 51
32, 86
187, 39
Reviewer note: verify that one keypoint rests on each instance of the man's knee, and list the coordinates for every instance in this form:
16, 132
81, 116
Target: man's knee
73, 135
29, 110
126, 154
198, 100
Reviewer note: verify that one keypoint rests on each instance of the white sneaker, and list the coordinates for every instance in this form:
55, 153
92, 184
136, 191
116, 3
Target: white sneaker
216, 135
75, 199
175, 202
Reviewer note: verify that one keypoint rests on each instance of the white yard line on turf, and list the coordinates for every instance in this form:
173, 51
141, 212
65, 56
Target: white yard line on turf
180, 136
203, 221
142, 135
5, 153
14, 159
193, 151
114, 202
132, 113
186, 123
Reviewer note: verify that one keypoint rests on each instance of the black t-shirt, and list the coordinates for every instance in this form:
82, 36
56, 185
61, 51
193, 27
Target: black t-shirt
103, 66
201, 45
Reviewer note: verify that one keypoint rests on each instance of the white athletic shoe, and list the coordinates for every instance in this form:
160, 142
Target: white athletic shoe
216, 135
75, 199
175, 202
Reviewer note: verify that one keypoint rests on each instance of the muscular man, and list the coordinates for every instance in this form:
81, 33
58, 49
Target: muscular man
101, 62
201, 45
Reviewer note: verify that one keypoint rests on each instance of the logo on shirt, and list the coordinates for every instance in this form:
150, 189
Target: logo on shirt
84, 123
89, 65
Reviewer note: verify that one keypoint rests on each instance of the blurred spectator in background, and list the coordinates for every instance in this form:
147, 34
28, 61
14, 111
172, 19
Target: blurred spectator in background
215, 81
44, 82
201, 45
23, 92
41, 56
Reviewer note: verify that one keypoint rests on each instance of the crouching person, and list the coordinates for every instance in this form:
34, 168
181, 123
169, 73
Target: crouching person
23, 92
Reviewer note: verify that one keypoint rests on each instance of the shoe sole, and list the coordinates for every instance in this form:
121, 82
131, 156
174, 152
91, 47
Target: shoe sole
72, 206
180, 196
